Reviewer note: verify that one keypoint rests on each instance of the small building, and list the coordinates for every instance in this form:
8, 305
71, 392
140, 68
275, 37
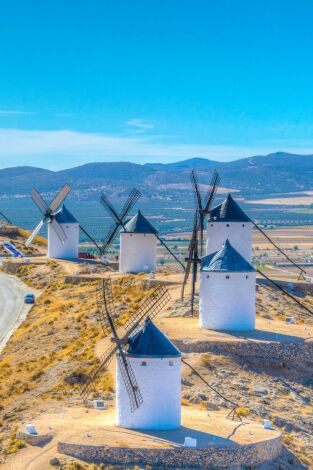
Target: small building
228, 220
70, 226
156, 364
227, 291
138, 246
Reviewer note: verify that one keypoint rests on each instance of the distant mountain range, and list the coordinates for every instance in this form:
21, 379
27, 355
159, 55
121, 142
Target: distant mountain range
271, 174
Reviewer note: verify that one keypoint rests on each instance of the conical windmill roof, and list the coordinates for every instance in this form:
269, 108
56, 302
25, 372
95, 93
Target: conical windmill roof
149, 341
228, 211
227, 259
64, 216
139, 224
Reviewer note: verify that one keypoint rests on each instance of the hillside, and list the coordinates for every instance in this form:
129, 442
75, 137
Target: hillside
50, 354
274, 173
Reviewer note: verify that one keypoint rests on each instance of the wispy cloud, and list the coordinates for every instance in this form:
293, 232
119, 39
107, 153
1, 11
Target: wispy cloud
64, 148
139, 125
13, 112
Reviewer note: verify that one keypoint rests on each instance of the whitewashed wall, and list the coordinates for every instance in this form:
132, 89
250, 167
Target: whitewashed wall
227, 304
137, 252
238, 233
160, 386
68, 250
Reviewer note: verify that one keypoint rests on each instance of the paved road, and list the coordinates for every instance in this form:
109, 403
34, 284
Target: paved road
12, 308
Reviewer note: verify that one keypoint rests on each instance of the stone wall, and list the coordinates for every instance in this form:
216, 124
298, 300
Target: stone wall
9, 231
79, 279
33, 439
11, 268
288, 351
179, 457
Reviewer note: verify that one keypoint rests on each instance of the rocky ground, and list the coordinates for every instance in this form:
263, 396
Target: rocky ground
266, 389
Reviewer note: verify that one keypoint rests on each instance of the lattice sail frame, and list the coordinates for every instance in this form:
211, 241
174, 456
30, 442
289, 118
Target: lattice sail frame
109, 320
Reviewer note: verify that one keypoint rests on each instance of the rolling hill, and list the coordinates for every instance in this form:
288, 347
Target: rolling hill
258, 175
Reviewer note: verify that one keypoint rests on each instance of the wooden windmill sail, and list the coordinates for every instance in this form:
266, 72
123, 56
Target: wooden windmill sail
196, 248
109, 320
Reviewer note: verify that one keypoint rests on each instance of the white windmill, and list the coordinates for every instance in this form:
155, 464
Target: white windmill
63, 228
148, 372
138, 238
138, 246
156, 363
227, 291
228, 220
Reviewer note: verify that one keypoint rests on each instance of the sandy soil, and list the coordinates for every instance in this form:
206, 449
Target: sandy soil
92, 427
187, 329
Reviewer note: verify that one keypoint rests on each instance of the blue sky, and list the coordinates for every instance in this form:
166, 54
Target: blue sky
154, 80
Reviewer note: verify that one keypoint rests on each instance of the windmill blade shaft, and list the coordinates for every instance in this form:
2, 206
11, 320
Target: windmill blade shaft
235, 405
191, 252
57, 201
105, 360
112, 233
40, 203
134, 196
91, 239
110, 209
194, 181
149, 308
5, 218
58, 230
286, 292
105, 302
170, 252
129, 380
212, 191
277, 247
35, 232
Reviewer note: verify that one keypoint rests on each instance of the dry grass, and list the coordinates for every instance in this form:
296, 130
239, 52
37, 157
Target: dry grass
52, 352
41, 241
242, 411
14, 444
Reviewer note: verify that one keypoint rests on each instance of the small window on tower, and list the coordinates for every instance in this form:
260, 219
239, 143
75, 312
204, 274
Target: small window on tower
207, 276
131, 234
171, 363
211, 225
247, 277
227, 277
227, 225
243, 225
143, 363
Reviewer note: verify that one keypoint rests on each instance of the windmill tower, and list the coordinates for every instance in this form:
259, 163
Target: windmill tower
228, 220
156, 363
227, 291
148, 376
138, 246
70, 226
63, 228
138, 238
